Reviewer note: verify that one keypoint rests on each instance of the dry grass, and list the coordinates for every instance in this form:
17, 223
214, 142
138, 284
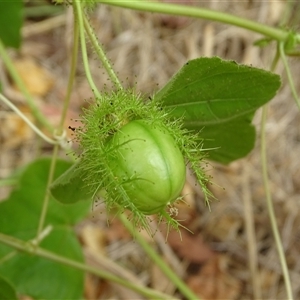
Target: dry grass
146, 49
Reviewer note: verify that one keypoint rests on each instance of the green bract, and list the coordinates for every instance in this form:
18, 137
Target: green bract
133, 154
150, 165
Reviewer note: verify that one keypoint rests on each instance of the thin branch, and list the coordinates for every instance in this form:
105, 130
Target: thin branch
27, 121
202, 13
78, 15
270, 206
103, 58
289, 74
38, 251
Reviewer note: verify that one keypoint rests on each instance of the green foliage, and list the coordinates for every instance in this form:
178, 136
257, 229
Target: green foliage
19, 217
230, 140
217, 99
11, 19
25, 202
7, 291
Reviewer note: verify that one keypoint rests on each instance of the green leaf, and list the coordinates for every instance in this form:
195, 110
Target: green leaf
19, 217
70, 188
7, 291
235, 142
217, 98
24, 204
11, 19
44, 279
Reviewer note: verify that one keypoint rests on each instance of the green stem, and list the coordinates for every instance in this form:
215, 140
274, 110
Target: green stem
198, 12
79, 18
71, 76
47, 194
38, 251
20, 84
9, 182
103, 58
42, 11
274, 226
27, 121
288, 72
271, 208
8, 256
60, 129
250, 235
182, 287
264, 161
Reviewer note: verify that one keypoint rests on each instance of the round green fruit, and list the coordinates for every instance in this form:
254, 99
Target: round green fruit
148, 164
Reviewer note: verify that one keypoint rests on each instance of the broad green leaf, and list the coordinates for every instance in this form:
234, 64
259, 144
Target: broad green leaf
210, 90
216, 98
11, 19
20, 212
236, 141
70, 188
7, 291
44, 279
19, 217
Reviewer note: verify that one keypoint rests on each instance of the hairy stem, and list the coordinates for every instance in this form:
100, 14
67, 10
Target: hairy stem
101, 55
71, 76
78, 15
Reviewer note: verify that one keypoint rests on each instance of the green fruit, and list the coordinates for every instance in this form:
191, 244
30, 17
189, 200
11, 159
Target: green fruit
148, 164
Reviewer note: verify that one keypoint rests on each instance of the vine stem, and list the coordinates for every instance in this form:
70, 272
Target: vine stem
38, 251
182, 287
71, 76
270, 206
264, 161
198, 12
22, 87
101, 54
11, 181
27, 121
79, 18
47, 193
288, 72
60, 128
250, 234
271, 211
